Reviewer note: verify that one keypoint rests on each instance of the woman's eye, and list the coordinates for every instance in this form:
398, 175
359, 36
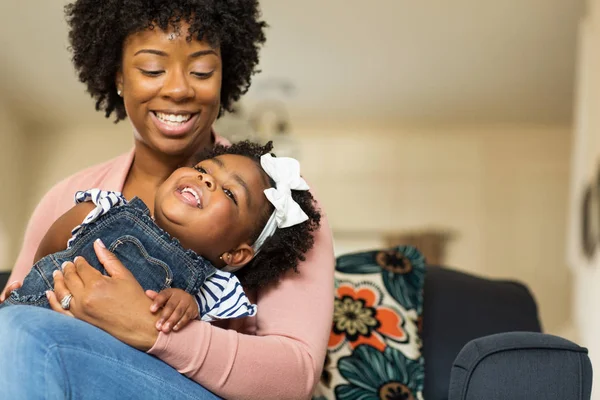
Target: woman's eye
203, 75
230, 194
200, 169
151, 73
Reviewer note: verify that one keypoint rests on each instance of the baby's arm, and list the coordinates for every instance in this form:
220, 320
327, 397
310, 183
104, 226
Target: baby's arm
60, 232
178, 308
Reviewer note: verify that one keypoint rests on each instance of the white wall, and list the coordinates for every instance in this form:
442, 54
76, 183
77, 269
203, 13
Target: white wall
502, 190
586, 159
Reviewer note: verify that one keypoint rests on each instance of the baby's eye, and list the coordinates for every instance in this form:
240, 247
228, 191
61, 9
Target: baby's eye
200, 169
230, 194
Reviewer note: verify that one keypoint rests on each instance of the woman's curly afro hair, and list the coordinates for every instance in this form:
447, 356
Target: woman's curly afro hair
288, 246
98, 29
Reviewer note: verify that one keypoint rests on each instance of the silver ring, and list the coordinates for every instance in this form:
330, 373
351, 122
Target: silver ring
65, 303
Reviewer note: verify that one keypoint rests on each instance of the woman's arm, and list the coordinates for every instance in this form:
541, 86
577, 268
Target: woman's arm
59, 199
44, 215
282, 360
54, 240
285, 358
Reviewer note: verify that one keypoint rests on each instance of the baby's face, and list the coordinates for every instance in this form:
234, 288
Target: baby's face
213, 207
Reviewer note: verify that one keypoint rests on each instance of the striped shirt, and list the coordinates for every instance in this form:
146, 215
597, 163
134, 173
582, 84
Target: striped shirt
220, 297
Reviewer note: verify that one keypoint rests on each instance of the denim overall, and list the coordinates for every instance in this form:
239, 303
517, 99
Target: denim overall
155, 259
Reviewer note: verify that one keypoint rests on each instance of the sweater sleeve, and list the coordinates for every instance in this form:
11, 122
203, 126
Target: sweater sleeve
284, 359
44, 215
109, 175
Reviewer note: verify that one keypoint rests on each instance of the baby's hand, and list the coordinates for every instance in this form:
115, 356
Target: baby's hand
178, 308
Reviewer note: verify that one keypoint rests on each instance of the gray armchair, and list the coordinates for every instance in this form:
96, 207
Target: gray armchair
521, 365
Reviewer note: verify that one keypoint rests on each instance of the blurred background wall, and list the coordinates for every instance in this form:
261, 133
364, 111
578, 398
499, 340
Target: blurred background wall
408, 117
583, 249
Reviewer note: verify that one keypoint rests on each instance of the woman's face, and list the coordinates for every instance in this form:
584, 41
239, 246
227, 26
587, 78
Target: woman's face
171, 89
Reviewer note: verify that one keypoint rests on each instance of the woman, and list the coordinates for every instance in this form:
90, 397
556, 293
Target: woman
172, 67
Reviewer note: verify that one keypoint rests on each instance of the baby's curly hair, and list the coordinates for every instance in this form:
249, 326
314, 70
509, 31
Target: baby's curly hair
98, 30
288, 246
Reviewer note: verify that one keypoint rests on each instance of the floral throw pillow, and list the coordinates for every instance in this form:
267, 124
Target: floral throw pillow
374, 349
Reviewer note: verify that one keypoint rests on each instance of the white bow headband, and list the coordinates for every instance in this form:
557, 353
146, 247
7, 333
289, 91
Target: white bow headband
285, 171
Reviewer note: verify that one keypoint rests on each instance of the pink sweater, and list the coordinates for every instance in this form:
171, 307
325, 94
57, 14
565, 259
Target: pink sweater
278, 354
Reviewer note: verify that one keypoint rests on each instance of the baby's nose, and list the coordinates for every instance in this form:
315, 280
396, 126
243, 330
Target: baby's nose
207, 179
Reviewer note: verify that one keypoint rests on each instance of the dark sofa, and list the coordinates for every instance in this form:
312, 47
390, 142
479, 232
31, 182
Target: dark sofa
3, 279
459, 307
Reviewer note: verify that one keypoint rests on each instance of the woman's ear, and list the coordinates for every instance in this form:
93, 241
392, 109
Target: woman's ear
239, 257
119, 82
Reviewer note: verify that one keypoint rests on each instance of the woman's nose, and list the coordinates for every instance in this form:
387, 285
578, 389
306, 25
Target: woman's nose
177, 86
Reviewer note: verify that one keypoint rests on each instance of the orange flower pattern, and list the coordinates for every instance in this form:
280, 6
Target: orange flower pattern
359, 318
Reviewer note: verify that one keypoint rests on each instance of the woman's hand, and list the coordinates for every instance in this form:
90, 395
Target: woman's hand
9, 288
115, 303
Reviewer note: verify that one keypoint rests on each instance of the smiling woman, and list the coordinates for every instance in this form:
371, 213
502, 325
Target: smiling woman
170, 88
173, 67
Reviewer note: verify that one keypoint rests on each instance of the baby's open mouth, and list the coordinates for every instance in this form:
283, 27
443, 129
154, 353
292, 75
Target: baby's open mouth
191, 196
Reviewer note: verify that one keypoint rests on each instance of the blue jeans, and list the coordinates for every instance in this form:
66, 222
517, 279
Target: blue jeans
46, 355
155, 259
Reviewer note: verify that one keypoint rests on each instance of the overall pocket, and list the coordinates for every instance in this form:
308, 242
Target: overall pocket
151, 272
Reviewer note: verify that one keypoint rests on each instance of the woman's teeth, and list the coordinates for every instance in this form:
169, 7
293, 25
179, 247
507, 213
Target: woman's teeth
173, 119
